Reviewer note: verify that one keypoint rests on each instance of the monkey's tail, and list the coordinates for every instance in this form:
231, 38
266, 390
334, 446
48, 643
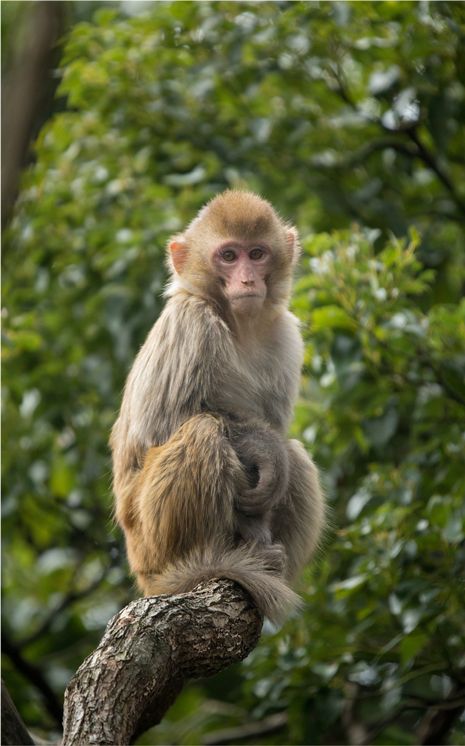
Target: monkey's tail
257, 568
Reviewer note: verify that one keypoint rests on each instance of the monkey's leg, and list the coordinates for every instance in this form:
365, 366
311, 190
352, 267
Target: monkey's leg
185, 495
298, 521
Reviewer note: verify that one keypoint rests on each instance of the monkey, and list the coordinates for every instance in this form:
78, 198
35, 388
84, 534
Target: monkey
206, 482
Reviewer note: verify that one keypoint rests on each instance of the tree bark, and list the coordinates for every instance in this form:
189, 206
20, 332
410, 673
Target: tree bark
148, 651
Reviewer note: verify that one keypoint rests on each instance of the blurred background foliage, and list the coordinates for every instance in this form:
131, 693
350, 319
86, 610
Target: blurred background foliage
348, 117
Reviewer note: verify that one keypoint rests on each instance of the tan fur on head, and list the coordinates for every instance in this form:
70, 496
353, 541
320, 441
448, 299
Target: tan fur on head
206, 482
238, 214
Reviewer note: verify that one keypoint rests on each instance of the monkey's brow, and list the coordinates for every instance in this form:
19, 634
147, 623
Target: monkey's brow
246, 228
231, 243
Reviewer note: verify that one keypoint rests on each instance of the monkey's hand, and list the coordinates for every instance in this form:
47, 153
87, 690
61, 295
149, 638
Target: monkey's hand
264, 456
273, 556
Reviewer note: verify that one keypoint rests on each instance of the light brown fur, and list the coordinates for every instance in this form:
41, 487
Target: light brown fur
206, 483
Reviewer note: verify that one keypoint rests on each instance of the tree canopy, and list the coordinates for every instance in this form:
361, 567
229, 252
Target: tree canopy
349, 118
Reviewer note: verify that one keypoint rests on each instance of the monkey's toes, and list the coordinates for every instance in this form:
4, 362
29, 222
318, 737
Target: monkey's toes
274, 557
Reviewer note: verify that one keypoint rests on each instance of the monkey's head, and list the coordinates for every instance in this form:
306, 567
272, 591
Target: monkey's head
237, 251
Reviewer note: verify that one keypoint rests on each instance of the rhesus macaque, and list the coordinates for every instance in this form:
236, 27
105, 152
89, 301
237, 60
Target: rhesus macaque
206, 482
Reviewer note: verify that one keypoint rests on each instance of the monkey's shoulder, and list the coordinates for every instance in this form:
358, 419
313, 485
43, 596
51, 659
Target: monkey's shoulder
193, 318
176, 370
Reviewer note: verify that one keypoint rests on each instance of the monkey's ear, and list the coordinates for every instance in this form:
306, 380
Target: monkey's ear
179, 252
292, 244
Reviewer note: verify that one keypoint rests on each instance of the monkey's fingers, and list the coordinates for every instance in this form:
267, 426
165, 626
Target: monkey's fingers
274, 555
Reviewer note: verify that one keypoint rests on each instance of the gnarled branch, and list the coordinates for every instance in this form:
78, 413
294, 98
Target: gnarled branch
148, 651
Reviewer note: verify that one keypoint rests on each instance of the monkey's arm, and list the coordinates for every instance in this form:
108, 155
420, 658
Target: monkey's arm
174, 377
299, 521
176, 372
263, 452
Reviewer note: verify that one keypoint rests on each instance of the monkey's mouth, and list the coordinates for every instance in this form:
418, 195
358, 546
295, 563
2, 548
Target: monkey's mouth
246, 296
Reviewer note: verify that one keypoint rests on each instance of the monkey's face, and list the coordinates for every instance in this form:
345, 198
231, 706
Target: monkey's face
236, 251
242, 270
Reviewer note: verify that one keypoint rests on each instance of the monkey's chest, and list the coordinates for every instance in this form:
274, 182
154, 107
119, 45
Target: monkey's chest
259, 387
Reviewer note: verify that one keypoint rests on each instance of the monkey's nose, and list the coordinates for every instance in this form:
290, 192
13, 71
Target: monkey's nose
248, 282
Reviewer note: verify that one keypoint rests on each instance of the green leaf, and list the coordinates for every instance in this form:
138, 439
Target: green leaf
411, 645
331, 317
62, 477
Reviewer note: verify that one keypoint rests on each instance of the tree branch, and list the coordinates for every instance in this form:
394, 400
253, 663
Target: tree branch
429, 159
34, 675
148, 651
440, 718
13, 729
271, 724
68, 599
27, 91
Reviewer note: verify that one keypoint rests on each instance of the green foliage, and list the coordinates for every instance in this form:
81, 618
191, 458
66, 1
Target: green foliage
337, 112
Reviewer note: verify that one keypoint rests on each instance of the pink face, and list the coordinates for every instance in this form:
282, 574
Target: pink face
243, 269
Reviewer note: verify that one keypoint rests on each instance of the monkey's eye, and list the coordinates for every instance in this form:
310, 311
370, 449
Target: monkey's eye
228, 255
256, 253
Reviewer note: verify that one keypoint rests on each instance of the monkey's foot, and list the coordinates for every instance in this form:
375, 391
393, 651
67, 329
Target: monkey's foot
272, 556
